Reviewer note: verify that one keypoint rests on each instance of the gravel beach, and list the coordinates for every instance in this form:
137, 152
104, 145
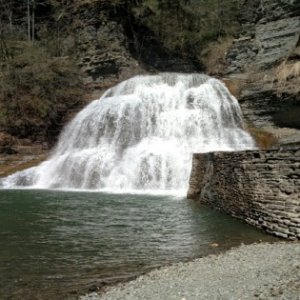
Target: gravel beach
257, 271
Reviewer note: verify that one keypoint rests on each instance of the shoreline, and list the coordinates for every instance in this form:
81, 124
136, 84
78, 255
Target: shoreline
261, 271
216, 250
12, 163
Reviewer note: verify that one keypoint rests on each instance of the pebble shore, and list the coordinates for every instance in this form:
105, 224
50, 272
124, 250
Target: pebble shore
257, 271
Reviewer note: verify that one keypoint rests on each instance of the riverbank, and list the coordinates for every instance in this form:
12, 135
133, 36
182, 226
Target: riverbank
257, 271
10, 164
20, 155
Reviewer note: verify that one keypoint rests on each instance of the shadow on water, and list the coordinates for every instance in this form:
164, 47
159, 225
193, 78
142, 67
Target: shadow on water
57, 245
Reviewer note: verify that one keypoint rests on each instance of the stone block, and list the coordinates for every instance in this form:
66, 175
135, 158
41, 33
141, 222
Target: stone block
260, 193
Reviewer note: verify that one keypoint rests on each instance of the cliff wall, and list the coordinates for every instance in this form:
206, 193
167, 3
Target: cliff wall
106, 42
259, 187
263, 61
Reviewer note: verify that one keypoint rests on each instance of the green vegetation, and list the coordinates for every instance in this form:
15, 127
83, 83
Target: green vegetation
39, 83
35, 91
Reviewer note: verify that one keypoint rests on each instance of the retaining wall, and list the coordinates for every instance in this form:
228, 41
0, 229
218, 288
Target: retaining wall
259, 187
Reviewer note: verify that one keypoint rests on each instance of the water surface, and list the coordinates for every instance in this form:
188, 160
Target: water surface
56, 245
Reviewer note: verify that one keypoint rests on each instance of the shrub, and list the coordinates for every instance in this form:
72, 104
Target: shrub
36, 91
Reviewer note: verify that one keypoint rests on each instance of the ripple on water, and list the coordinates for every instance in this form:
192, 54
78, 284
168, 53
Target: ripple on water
55, 244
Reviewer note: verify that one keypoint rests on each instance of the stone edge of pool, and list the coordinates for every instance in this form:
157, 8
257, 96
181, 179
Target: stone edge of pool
260, 187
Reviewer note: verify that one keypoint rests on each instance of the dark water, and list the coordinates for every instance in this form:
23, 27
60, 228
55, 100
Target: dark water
56, 245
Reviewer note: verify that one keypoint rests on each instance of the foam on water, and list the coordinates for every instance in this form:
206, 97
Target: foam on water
140, 136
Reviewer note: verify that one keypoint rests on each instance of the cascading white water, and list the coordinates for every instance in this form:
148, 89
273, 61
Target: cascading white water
140, 135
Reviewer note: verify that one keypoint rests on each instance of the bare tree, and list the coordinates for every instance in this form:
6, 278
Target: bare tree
6, 25
6, 14
31, 5
32, 19
28, 22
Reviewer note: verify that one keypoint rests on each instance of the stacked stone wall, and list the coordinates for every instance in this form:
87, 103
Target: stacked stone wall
259, 187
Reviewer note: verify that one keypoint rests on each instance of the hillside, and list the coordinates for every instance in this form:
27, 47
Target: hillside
58, 55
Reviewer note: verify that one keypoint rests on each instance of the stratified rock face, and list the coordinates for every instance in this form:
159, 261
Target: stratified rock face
111, 45
259, 187
102, 45
269, 36
275, 40
264, 108
273, 10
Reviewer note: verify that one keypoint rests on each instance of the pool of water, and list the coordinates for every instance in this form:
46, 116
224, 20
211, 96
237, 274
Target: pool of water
58, 245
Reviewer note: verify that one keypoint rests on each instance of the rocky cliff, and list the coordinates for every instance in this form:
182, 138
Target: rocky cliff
264, 63
112, 44
71, 52
110, 41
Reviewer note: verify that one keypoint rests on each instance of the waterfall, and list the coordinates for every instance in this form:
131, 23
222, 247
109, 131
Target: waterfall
140, 135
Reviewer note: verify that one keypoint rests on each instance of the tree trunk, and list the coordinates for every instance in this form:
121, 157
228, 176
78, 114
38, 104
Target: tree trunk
28, 21
33, 21
10, 18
